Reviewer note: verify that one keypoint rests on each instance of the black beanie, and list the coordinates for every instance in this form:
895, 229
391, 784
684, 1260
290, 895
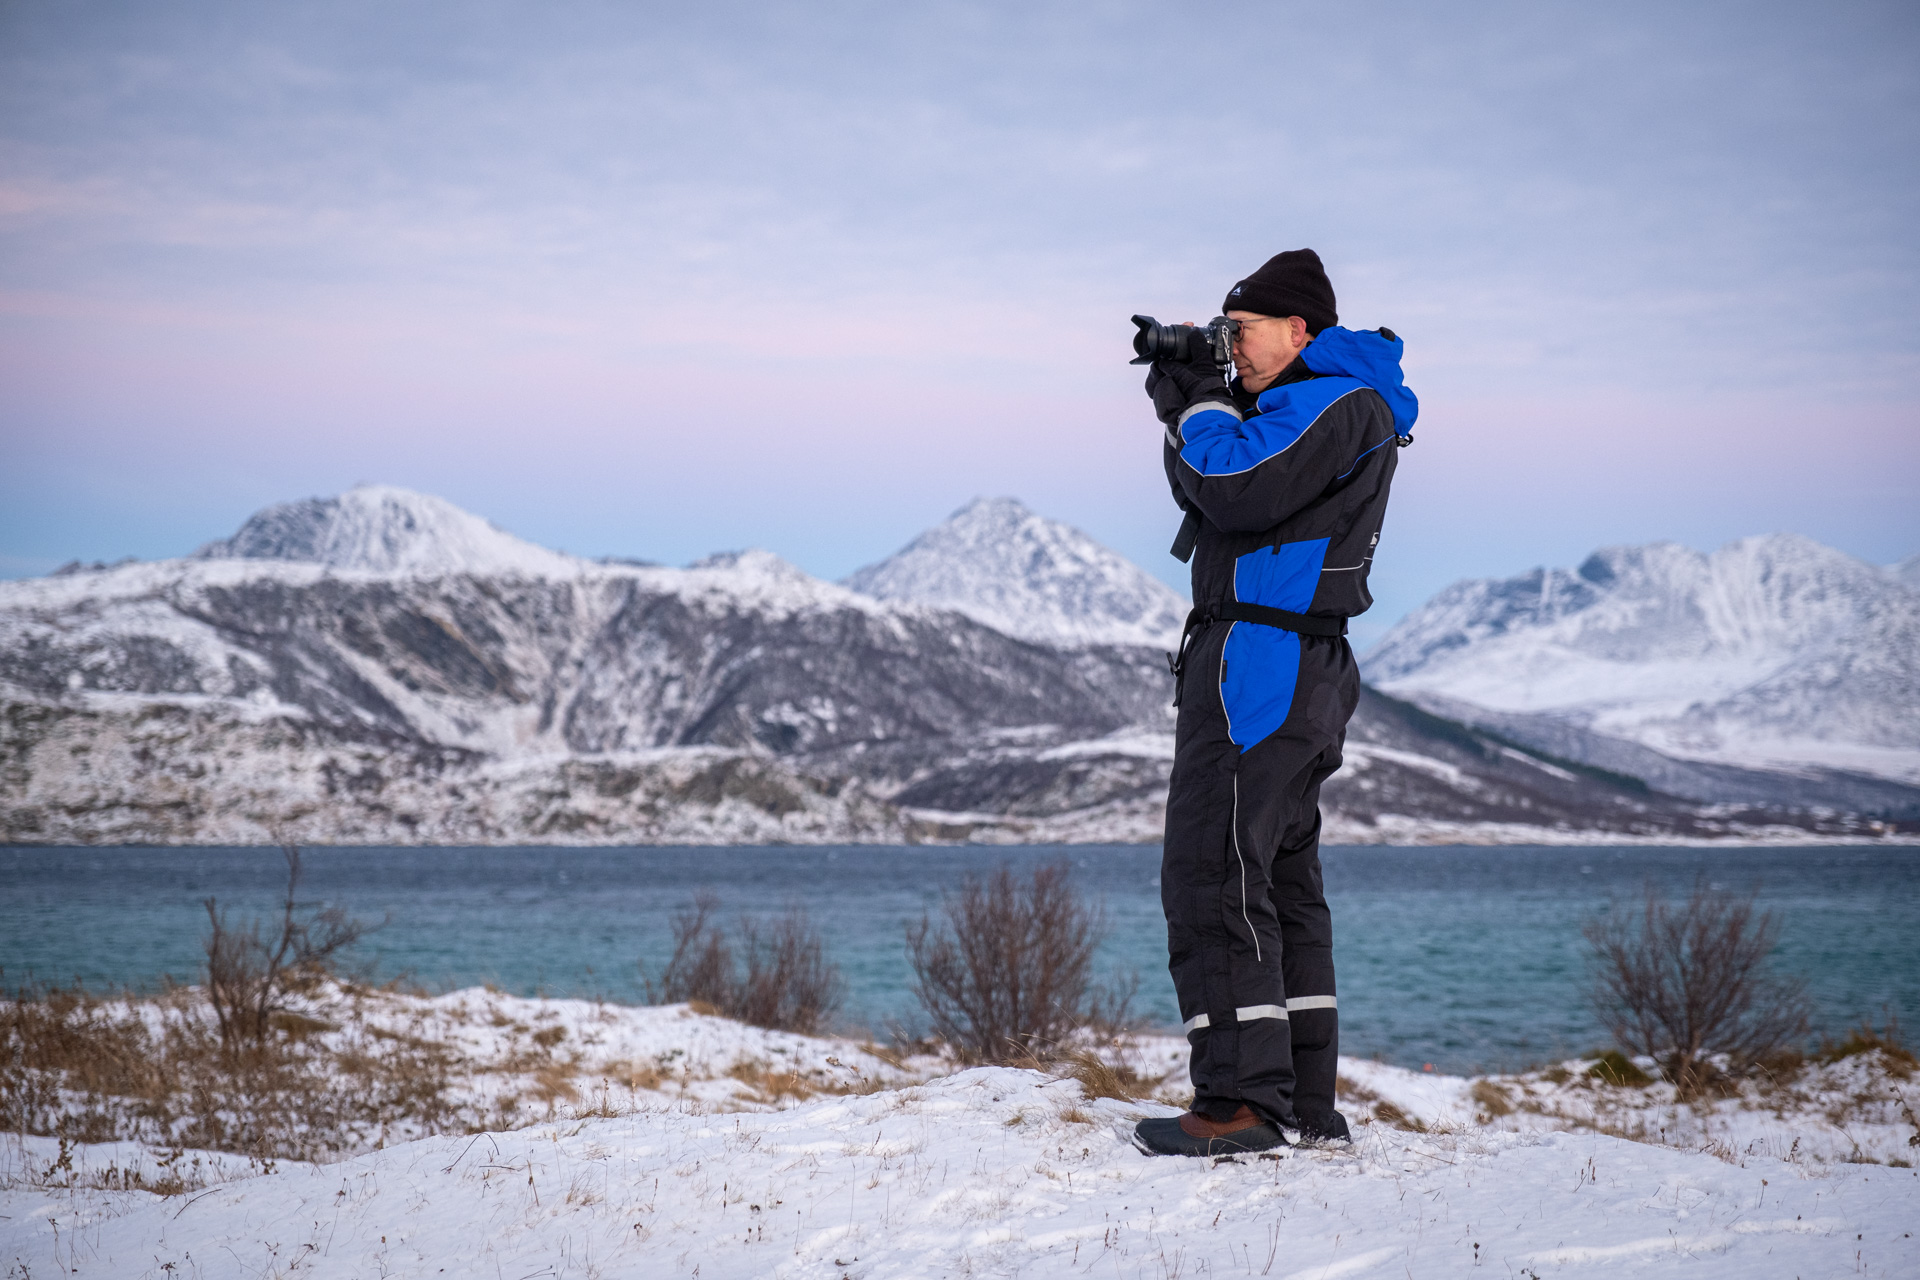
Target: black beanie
1289, 284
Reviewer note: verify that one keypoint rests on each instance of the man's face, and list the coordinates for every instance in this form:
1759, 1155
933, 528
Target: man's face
1265, 346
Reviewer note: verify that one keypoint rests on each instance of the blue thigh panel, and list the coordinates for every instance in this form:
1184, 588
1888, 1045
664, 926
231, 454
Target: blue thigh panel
1259, 665
1258, 668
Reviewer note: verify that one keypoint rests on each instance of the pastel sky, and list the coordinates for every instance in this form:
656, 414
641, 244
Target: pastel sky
657, 280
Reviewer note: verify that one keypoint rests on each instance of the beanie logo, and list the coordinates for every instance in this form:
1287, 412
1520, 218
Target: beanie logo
1235, 293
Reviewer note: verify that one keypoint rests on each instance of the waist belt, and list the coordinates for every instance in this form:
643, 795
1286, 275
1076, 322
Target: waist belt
1204, 616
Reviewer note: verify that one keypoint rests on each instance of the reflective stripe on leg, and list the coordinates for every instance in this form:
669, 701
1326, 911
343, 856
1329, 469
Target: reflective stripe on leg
1254, 1012
1197, 1022
1297, 1003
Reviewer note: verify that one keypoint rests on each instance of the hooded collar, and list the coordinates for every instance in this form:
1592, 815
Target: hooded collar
1371, 356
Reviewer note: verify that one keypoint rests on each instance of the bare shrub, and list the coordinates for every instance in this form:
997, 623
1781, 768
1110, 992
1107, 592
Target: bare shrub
701, 967
1685, 984
248, 975
1007, 975
787, 984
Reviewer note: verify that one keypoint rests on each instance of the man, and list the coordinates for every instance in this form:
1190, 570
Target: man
1283, 476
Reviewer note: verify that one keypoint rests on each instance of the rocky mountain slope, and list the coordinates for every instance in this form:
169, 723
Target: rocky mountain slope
1028, 576
384, 668
1773, 652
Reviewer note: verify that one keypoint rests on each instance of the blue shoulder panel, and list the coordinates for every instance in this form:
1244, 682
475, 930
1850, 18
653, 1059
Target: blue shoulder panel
1218, 444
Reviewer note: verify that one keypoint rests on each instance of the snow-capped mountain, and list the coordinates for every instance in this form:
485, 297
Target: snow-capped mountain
383, 668
1773, 651
1028, 576
383, 529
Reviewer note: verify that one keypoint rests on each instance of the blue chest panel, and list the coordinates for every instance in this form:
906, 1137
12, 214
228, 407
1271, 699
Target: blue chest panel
1260, 665
1217, 444
1282, 577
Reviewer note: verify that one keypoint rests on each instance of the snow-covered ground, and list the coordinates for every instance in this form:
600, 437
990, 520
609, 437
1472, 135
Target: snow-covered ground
665, 1142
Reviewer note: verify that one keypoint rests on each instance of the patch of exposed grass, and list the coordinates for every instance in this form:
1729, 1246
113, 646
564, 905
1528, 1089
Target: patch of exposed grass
1492, 1098
1863, 1039
1387, 1113
92, 1069
1616, 1068
1354, 1091
768, 1085
1100, 1078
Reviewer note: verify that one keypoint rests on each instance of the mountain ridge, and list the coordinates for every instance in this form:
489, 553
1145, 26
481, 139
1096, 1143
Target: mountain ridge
1016, 571
360, 684
1772, 651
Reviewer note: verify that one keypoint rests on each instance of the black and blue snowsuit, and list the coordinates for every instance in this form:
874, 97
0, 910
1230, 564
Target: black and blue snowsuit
1289, 489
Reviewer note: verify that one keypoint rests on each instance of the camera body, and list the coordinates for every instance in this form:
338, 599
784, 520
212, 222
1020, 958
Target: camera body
1182, 343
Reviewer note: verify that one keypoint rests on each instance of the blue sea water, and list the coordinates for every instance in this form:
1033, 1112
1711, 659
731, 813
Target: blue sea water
1467, 958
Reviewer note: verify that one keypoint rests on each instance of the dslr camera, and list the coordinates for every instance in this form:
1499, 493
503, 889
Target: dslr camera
1183, 343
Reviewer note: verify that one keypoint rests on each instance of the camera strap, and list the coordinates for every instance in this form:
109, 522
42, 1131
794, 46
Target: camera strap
1182, 548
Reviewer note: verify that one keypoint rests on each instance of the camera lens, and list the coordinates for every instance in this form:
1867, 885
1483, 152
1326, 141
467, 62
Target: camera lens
1156, 341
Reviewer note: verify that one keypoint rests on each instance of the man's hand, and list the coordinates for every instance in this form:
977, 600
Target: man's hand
1175, 387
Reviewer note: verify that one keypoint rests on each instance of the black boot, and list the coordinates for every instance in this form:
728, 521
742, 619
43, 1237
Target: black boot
1327, 1130
1193, 1134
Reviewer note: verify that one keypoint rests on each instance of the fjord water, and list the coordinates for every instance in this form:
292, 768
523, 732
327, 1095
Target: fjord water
1467, 958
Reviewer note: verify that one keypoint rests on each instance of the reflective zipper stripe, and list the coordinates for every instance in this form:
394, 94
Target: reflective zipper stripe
1203, 407
1196, 1022
1254, 1012
1236, 847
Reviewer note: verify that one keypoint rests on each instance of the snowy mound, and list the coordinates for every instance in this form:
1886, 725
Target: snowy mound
1027, 576
382, 529
1772, 650
1907, 571
990, 1172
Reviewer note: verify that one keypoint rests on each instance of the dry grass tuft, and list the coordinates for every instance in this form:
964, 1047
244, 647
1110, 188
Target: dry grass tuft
154, 1070
1492, 1098
767, 1085
1387, 1113
1616, 1068
1898, 1059
553, 1083
650, 1076
1353, 1091
1100, 1078
172, 1173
